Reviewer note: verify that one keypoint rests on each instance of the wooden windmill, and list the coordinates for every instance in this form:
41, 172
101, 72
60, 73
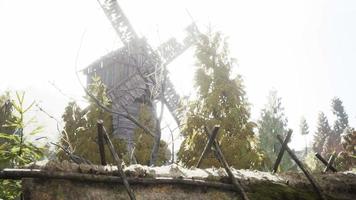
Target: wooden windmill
134, 73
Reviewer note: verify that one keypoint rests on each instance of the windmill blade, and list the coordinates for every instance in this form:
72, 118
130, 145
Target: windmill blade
118, 20
172, 101
171, 49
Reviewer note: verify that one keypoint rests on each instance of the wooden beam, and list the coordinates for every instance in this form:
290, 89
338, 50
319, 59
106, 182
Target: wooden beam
18, 174
281, 152
119, 165
224, 163
325, 162
101, 142
305, 171
208, 145
330, 163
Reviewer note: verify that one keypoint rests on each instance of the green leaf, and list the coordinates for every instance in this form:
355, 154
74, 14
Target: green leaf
17, 107
7, 136
15, 149
29, 107
36, 130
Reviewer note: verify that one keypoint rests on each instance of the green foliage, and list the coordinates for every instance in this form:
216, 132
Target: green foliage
10, 189
333, 141
304, 128
15, 149
80, 130
346, 159
144, 142
314, 164
342, 120
220, 101
304, 131
323, 131
272, 123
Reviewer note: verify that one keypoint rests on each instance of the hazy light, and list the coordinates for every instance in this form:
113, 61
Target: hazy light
304, 49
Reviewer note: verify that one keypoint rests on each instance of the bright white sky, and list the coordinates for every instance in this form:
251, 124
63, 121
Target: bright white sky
304, 49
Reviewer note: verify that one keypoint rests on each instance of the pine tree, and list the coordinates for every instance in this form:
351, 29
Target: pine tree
333, 141
272, 123
80, 129
342, 120
16, 150
304, 131
220, 101
322, 132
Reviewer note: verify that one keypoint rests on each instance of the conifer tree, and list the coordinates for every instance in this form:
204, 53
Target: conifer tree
220, 101
322, 132
16, 149
333, 141
304, 131
272, 123
342, 120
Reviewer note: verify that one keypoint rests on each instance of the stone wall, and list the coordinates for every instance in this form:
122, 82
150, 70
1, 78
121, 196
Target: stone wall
64, 189
70, 181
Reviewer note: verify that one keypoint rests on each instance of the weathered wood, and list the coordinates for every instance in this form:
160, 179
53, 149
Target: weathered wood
208, 146
18, 174
330, 162
281, 152
119, 165
118, 69
325, 162
223, 161
172, 101
118, 20
127, 115
101, 143
305, 171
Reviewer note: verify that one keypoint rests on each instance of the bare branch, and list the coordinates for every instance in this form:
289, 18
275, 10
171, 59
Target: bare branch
66, 139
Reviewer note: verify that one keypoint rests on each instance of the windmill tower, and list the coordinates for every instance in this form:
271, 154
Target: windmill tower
135, 74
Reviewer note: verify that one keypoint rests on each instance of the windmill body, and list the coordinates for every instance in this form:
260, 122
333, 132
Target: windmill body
134, 74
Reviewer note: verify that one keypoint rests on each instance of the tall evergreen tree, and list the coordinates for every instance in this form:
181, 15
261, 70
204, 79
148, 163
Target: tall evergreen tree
342, 120
220, 101
322, 132
304, 131
333, 141
272, 123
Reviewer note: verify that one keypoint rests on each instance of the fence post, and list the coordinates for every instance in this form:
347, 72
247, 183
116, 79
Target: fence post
281, 152
101, 142
306, 173
119, 165
224, 163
